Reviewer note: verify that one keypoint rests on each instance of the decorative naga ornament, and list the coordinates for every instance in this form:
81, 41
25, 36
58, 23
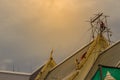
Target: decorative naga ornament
46, 68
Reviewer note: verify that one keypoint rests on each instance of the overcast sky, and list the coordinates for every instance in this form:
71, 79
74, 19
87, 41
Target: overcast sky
30, 29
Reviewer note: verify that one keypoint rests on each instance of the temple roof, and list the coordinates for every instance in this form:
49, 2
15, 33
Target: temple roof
98, 45
109, 57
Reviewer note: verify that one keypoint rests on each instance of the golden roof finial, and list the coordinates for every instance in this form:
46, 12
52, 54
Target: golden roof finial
51, 54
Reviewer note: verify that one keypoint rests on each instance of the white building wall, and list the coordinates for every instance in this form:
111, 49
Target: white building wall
13, 76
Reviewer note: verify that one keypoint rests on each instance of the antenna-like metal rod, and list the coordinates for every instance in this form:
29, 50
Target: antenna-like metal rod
99, 15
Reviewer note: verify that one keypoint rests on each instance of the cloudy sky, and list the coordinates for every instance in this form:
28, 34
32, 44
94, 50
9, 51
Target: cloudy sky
30, 29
